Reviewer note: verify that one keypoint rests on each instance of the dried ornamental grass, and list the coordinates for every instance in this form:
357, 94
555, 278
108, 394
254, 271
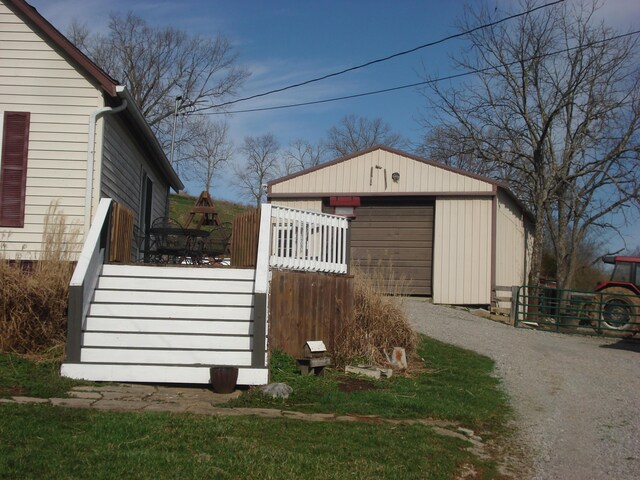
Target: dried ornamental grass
34, 301
378, 323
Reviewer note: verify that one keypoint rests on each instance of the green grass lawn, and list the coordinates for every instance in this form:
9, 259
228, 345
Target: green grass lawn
456, 385
47, 442
21, 377
42, 441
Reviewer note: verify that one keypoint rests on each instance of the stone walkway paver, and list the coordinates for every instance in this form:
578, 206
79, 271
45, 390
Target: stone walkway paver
201, 401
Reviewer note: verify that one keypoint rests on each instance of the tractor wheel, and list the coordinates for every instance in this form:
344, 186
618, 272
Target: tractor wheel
620, 312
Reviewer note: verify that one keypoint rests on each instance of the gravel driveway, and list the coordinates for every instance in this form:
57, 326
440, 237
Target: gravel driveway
576, 398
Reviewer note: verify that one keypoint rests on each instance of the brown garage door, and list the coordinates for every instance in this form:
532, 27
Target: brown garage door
397, 242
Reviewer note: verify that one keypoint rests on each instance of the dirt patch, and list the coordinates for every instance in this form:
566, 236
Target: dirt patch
467, 471
349, 384
12, 391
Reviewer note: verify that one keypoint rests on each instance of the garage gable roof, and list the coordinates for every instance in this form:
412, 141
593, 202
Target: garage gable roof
99, 77
384, 171
392, 151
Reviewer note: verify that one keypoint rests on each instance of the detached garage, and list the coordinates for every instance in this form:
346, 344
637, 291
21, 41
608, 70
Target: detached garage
455, 236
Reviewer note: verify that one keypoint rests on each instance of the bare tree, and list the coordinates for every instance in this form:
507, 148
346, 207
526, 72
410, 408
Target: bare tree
353, 134
208, 149
260, 166
449, 145
299, 155
557, 102
160, 64
79, 34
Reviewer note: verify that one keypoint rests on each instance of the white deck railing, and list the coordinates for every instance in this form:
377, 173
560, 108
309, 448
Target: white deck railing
308, 241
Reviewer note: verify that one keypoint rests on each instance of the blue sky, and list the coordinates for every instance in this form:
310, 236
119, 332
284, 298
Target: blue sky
283, 42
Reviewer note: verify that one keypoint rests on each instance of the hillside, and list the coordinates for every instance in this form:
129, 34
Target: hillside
180, 204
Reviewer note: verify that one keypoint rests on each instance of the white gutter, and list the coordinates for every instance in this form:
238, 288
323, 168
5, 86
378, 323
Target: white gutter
91, 153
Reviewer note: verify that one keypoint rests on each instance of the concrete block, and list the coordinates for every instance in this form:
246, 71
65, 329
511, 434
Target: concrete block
363, 370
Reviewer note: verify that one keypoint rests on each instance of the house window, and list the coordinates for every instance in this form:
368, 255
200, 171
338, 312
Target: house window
13, 168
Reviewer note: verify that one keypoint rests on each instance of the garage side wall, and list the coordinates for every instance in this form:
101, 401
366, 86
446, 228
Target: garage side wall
312, 204
511, 261
462, 251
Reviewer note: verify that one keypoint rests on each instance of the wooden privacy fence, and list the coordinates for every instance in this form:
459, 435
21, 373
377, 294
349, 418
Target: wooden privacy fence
121, 234
308, 306
244, 239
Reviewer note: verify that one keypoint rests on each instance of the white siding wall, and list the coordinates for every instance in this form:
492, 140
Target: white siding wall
122, 167
35, 79
510, 243
355, 176
462, 251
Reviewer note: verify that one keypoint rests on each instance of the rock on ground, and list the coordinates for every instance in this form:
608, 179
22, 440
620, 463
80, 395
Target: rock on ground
277, 390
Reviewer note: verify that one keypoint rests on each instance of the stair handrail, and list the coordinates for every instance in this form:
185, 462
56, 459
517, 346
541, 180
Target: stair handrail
85, 277
309, 241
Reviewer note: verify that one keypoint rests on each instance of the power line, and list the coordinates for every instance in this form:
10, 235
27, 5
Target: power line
383, 59
417, 84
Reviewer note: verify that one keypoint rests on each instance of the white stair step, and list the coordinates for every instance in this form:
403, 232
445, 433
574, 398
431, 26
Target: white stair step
174, 285
173, 298
159, 340
186, 374
229, 274
164, 356
154, 325
115, 310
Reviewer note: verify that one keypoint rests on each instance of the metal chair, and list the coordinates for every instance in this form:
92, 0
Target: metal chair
168, 241
215, 247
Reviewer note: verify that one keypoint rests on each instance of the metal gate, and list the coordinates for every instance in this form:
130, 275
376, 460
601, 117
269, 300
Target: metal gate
575, 311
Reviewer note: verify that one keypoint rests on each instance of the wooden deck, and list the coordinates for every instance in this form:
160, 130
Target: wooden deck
170, 324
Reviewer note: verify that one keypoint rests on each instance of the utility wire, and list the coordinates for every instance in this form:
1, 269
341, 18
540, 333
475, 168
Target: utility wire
383, 59
426, 82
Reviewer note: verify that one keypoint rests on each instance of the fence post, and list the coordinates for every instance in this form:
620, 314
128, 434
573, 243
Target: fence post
347, 246
514, 303
261, 289
74, 324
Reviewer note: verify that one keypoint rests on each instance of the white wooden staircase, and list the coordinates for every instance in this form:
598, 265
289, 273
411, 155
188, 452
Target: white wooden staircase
168, 325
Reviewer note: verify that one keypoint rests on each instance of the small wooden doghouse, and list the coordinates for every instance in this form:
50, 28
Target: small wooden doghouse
315, 358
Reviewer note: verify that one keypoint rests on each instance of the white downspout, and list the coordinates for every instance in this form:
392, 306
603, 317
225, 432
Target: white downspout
91, 153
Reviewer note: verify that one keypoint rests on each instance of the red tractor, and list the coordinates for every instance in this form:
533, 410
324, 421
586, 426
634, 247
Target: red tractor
620, 301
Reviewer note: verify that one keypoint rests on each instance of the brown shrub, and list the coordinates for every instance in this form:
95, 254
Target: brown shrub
33, 301
378, 323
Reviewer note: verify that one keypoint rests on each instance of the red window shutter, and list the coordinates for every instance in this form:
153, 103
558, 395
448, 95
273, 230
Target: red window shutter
13, 174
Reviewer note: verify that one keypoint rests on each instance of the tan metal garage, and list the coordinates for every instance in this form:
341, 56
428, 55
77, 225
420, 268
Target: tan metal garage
458, 236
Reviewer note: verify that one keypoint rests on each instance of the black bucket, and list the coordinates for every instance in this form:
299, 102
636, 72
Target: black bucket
224, 379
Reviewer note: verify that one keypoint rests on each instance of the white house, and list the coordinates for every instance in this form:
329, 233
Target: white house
70, 133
